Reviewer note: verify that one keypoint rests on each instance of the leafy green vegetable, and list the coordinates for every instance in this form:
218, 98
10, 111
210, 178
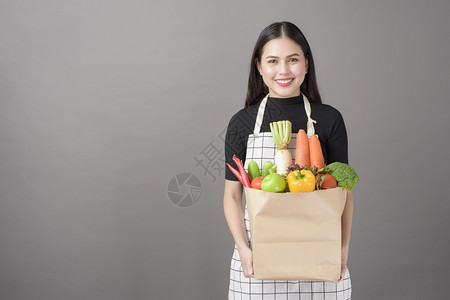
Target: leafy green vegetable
344, 174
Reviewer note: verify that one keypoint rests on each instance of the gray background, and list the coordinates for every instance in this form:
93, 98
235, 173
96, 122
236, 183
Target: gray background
103, 102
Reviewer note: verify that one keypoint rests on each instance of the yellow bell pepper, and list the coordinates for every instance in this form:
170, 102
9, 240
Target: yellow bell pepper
301, 181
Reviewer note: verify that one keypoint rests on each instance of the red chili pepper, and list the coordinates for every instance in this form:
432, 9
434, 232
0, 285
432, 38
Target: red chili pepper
236, 173
244, 174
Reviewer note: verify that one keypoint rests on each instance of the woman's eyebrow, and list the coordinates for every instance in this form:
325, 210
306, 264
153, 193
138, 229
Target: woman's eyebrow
291, 55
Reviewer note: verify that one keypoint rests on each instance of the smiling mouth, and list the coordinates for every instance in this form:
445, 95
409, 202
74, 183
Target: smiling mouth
284, 82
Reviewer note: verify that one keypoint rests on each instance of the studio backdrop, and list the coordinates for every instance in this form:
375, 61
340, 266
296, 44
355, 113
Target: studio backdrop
112, 125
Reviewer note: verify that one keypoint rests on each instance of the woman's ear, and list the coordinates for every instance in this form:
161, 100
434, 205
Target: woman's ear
258, 66
306, 65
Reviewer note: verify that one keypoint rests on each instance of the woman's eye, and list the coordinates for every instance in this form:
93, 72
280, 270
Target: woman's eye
272, 61
293, 60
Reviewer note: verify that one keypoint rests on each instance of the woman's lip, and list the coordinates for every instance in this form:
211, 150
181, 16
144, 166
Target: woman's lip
284, 81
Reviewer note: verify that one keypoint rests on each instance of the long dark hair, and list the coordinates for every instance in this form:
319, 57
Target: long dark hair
256, 88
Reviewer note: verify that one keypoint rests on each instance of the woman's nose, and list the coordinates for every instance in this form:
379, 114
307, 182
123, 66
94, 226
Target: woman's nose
283, 68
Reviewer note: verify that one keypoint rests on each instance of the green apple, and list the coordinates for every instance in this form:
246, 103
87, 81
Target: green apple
273, 183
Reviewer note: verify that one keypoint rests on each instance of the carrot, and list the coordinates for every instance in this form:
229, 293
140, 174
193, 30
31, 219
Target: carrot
302, 149
315, 152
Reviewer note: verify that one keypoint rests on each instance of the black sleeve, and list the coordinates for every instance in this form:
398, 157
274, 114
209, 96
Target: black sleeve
337, 144
235, 144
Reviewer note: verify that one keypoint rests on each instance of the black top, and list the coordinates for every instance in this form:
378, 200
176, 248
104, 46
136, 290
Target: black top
330, 128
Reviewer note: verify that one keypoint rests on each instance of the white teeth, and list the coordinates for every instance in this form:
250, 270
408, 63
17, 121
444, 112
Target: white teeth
284, 81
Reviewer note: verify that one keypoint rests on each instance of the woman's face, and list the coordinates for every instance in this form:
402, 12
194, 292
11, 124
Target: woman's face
283, 67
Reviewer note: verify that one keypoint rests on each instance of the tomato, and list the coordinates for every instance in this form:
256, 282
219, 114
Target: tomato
327, 181
301, 181
256, 182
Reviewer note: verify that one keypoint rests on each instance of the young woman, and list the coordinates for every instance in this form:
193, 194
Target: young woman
282, 86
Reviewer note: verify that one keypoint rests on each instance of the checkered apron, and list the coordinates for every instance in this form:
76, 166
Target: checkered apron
260, 148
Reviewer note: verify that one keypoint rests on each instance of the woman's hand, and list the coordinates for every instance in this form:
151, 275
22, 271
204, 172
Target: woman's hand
246, 256
232, 202
344, 259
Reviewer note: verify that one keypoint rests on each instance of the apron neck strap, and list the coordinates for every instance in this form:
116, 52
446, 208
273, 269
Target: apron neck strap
259, 117
310, 124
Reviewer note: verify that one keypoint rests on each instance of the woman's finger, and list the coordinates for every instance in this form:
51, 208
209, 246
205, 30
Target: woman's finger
248, 274
248, 271
343, 271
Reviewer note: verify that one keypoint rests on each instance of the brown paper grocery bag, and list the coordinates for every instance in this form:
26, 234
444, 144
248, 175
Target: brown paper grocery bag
296, 236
